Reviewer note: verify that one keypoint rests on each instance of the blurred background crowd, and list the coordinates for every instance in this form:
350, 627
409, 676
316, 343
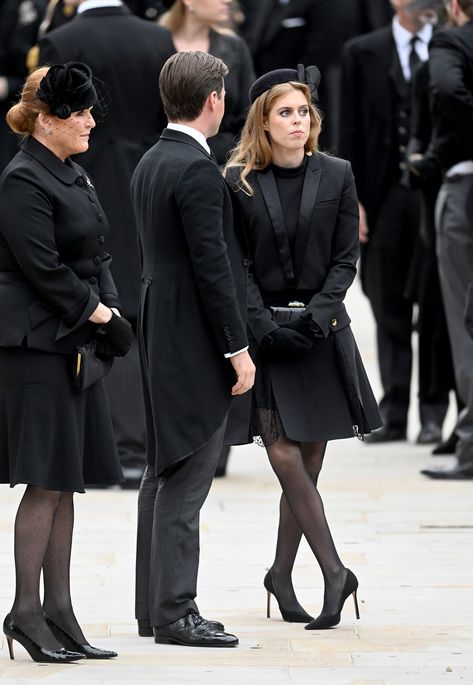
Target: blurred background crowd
389, 77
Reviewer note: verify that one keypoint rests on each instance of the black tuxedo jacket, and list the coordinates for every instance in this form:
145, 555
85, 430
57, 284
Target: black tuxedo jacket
127, 54
451, 74
193, 297
371, 81
326, 248
53, 267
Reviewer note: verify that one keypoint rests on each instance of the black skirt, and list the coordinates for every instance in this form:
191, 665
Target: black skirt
52, 435
324, 395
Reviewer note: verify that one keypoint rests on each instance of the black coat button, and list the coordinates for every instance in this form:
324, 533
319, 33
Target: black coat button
99, 217
91, 198
80, 181
101, 239
92, 280
97, 260
245, 262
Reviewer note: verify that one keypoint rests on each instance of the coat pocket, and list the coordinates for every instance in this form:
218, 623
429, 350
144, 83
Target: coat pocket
38, 313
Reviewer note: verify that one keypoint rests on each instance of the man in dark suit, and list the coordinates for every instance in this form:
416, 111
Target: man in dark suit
192, 343
375, 121
451, 152
127, 54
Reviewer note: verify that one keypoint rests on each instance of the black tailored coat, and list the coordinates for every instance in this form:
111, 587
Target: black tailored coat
368, 106
54, 270
193, 297
325, 255
127, 54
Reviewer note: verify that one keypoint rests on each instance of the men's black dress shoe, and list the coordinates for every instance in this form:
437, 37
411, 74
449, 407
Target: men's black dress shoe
145, 629
429, 434
458, 472
386, 434
448, 446
193, 631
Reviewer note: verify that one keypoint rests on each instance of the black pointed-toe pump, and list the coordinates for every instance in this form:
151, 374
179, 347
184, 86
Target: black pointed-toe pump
288, 615
36, 652
85, 650
324, 621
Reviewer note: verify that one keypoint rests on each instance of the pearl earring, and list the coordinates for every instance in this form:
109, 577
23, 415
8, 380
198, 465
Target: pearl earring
47, 131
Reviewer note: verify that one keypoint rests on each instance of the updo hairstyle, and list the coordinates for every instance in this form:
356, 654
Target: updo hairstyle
22, 117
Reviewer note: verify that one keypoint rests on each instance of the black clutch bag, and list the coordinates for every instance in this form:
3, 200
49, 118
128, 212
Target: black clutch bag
88, 368
289, 313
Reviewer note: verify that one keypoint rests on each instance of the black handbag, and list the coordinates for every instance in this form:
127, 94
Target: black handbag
88, 368
289, 313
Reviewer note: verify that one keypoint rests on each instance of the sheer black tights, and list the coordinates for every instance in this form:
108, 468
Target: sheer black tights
43, 539
301, 512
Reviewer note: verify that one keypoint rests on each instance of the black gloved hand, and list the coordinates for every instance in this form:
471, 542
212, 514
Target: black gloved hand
120, 332
287, 341
105, 348
304, 324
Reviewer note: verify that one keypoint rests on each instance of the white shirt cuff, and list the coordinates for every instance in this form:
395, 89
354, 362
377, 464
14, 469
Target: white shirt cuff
234, 354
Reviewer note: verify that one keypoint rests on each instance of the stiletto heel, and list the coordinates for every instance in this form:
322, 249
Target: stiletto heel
289, 616
36, 652
10, 647
84, 650
324, 621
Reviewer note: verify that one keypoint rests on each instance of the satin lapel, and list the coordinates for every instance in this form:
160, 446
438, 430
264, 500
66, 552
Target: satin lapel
310, 189
269, 190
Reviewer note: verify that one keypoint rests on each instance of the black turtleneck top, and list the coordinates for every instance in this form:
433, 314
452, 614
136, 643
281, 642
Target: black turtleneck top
289, 182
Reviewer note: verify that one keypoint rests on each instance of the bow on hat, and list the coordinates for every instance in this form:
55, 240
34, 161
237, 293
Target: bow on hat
309, 75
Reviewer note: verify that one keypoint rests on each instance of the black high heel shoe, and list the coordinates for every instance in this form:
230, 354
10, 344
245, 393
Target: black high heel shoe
289, 616
85, 650
324, 621
36, 652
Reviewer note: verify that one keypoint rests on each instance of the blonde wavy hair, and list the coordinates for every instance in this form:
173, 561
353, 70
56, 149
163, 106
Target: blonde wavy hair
175, 17
253, 153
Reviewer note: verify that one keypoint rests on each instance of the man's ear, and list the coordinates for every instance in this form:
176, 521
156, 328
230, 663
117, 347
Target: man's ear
212, 100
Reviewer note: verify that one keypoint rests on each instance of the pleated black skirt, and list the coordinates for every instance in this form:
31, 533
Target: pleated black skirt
52, 435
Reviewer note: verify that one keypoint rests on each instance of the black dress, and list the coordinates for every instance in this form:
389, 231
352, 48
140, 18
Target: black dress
53, 273
324, 395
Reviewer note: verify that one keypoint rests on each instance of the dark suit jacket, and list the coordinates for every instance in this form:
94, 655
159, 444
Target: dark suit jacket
370, 78
53, 267
326, 248
193, 272
451, 75
127, 54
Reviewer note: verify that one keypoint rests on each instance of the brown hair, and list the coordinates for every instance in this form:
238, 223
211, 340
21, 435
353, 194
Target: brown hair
254, 150
186, 81
467, 7
21, 118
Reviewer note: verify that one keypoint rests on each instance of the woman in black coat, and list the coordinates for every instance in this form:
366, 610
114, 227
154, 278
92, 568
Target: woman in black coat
56, 290
300, 212
196, 25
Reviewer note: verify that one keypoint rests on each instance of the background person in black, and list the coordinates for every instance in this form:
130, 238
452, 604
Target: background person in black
451, 152
55, 290
300, 213
127, 54
194, 25
374, 133
192, 342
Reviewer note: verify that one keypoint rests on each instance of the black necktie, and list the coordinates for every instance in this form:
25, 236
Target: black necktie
414, 59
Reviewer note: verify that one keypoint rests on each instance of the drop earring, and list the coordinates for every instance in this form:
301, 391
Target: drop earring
47, 131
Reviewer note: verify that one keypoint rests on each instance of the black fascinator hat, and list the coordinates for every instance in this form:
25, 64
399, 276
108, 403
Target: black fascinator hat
309, 75
67, 88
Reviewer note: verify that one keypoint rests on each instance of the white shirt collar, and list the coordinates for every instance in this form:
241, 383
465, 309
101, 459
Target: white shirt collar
193, 132
403, 37
95, 4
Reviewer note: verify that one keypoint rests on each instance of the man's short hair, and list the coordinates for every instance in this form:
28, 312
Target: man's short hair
186, 81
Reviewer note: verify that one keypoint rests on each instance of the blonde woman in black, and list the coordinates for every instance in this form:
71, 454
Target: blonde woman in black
300, 212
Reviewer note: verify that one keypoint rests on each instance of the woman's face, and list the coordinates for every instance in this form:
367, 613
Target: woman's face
288, 122
71, 136
210, 11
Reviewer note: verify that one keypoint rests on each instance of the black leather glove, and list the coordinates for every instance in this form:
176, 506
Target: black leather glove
305, 325
120, 332
287, 341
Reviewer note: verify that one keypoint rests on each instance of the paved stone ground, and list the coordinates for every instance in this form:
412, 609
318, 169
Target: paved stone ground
408, 539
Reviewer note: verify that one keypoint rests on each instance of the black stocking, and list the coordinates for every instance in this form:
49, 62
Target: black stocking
301, 511
33, 525
57, 603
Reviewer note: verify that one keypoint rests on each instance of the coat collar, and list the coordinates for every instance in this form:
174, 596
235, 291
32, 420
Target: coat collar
66, 171
267, 184
179, 137
111, 10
